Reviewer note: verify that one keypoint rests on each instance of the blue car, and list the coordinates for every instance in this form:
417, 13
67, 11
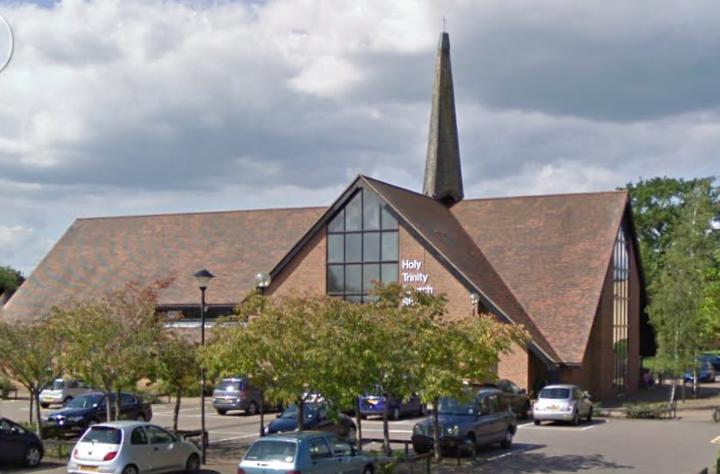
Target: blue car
705, 372
308, 452
316, 418
373, 402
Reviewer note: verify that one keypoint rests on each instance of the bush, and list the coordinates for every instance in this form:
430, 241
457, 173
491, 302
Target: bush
5, 387
646, 410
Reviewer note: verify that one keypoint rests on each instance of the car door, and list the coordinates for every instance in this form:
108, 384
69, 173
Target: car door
139, 450
483, 421
12, 442
163, 449
321, 457
498, 409
128, 407
345, 461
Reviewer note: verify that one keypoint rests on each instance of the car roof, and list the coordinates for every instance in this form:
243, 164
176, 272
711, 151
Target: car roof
123, 424
488, 391
560, 385
296, 435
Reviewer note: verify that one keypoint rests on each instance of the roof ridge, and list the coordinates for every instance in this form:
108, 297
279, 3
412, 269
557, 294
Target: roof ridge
199, 213
538, 196
397, 187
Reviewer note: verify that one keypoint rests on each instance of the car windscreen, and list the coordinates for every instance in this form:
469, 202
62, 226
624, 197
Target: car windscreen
102, 435
309, 410
229, 386
555, 393
86, 401
58, 384
267, 450
376, 391
452, 406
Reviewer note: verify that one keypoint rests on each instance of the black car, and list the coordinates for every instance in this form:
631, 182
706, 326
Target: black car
316, 418
89, 409
18, 445
515, 396
483, 418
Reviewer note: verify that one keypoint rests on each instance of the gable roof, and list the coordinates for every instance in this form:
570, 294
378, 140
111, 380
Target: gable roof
553, 252
97, 255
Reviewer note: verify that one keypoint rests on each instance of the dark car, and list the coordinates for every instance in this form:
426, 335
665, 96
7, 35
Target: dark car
482, 419
18, 445
705, 372
316, 418
515, 396
372, 403
712, 359
236, 394
88, 409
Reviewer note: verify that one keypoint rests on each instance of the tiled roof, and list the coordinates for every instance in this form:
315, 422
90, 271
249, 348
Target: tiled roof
96, 255
553, 252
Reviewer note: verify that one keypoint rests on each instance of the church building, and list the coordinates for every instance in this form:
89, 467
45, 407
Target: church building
564, 266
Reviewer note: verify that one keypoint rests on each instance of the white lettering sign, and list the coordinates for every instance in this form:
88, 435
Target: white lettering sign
413, 276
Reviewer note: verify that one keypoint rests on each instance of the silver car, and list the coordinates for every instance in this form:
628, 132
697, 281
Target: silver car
563, 403
62, 391
132, 447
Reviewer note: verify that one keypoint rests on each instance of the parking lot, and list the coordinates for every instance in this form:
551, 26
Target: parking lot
605, 445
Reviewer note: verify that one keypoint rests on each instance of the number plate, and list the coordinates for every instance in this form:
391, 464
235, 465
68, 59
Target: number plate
88, 468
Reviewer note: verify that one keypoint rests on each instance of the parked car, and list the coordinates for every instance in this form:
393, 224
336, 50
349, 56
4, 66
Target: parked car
563, 403
372, 403
483, 419
132, 447
18, 445
515, 396
307, 452
705, 372
236, 394
712, 359
316, 418
62, 391
89, 409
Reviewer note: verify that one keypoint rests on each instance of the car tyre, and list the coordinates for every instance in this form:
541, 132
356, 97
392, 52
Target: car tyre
131, 469
396, 414
470, 444
576, 419
45, 405
192, 466
33, 456
368, 470
506, 443
589, 417
221, 412
140, 417
251, 409
537, 422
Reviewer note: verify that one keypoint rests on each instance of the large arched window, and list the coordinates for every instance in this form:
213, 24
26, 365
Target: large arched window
362, 247
621, 278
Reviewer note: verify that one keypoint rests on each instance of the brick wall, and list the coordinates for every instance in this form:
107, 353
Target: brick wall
306, 273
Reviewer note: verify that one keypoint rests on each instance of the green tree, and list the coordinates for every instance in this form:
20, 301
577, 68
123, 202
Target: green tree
10, 279
176, 365
110, 342
681, 286
29, 354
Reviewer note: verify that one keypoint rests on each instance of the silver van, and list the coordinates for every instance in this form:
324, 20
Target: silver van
236, 394
62, 391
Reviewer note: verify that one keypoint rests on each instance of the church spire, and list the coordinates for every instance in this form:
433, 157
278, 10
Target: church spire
443, 176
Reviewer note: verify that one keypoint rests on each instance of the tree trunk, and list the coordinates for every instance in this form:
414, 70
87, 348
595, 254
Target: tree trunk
436, 430
31, 412
672, 397
117, 405
35, 394
176, 411
358, 422
300, 414
683, 390
386, 429
262, 413
695, 383
108, 407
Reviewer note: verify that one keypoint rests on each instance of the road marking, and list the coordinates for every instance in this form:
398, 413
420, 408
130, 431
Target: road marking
510, 453
249, 435
559, 428
716, 440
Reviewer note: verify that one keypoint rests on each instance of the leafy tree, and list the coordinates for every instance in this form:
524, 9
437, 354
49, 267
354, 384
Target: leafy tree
10, 279
679, 291
176, 364
110, 342
29, 354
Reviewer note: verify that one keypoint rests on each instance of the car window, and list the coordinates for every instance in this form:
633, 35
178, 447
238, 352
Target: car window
126, 400
5, 426
271, 450
88, 401
138, 436
515, 389
157, 435
555, 393
493, 403
483, 407
229, 386
340, 447
319, 449
102, 435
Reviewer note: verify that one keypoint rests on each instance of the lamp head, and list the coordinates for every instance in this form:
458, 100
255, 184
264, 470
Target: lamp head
203, 278
262, 280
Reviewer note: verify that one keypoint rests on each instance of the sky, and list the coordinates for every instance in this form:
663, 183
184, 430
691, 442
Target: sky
143, 107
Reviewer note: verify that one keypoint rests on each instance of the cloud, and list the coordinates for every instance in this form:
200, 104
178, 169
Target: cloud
125, 107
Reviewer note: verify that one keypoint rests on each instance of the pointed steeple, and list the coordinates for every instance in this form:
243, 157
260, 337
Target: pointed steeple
443, 176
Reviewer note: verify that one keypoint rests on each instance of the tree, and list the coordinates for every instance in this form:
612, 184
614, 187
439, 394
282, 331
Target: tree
29, 354
10, 279
176, 364
681, 288
110, 342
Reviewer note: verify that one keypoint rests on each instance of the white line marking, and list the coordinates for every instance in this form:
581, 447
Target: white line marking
500, 456
716, 440
234, 437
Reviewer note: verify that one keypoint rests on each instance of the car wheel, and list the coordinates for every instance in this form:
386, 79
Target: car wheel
131, 469
576, 419
45, 405
32, 456
420, 448
251, 409
221, 412
368, 470
140, 417
192, 466
537, 422
506, 443
470, 444
396, 414
589, 417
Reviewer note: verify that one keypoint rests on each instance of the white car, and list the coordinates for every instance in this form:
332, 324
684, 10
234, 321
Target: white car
62, 391
132, 447
563, 403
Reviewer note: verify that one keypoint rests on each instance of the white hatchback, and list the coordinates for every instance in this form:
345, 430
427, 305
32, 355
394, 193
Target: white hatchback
132, 447
563, 403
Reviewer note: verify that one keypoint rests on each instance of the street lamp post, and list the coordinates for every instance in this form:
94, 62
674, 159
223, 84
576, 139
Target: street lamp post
262, 281
474, 301
203, 278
